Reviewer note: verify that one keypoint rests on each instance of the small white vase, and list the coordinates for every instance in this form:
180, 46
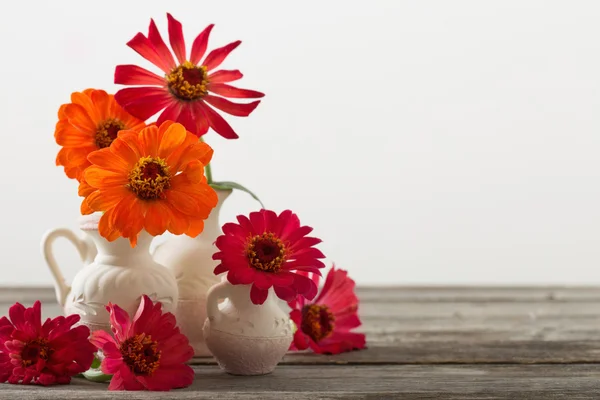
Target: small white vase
190, 260
245, 338
118, 274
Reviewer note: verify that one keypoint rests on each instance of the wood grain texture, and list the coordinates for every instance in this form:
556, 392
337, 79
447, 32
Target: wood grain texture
360, 382
424, 343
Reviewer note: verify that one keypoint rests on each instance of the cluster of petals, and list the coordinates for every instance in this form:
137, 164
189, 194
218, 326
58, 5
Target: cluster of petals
267, 250
190, 89
146, 351
326, 323
45, 354
91, 121
153, 180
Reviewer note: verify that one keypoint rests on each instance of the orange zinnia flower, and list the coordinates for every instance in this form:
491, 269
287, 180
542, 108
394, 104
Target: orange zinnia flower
90, 122
153, 180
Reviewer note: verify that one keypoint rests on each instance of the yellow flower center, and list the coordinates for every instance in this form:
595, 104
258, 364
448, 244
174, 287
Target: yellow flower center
149, 178
266, 252
188, 81
140, 354
35, 350
317, 321
107, 132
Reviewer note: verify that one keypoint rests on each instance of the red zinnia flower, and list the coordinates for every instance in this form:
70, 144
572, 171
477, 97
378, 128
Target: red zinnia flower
183, 91
45, 354
264, 249
324, 324
146, 354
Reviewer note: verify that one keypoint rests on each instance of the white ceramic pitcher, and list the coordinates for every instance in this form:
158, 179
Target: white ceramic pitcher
190, 260
245, 338
118, 274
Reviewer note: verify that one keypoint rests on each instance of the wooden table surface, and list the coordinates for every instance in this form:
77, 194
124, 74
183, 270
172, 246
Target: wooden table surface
424, 343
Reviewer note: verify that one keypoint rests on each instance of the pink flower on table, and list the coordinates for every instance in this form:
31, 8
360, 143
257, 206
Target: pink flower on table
267, 250
48, 354
146, 353
325, 324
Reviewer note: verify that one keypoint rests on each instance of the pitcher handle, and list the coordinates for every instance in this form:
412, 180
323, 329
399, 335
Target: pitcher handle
216, 293
61, 287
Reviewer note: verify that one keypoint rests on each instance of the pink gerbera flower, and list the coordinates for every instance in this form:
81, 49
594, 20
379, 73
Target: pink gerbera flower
264, 250
325, 324
148, 353
48, 354
184, 91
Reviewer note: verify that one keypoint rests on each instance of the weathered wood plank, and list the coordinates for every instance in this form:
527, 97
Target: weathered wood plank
435, 294
462, 332
516, 352
546, 382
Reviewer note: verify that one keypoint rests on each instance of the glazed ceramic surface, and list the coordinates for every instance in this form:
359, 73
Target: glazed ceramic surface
118, 273
190, 260
246, 339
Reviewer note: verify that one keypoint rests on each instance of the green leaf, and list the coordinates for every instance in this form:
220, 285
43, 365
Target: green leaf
96, 363
233, 185
96, 375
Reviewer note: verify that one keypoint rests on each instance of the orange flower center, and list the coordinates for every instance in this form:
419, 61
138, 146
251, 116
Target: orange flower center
107, 132
35, 350
317, 321
149, 178
188, 81
140, 354
266, 252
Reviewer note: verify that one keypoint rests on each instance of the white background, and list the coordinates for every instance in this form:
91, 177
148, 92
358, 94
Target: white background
427, 142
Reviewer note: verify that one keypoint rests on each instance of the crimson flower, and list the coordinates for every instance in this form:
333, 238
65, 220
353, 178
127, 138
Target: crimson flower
48, 354
147, 353
264, 250
184, 91
325, 324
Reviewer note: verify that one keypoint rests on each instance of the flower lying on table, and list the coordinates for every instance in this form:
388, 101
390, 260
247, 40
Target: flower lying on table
325, 324
148, 353
265, 250
32, 353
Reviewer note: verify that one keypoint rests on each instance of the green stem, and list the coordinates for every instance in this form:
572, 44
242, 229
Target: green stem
208, 172
207, 169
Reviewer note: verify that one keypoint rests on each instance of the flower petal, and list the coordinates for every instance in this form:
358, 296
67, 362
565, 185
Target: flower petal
101, 178
217, 56
159, 45
176, 38
134, 75
258, 295
79, 118
285, 293
200, 44
218, 123
224, 75
144, 102
143, 46
178, 222
150, 140
171, 113
105, 159
119, 322
102, 200
157, 218
226, 90
171, 140
237, 109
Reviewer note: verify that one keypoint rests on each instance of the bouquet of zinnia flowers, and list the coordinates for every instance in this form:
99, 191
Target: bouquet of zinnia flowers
156, 176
